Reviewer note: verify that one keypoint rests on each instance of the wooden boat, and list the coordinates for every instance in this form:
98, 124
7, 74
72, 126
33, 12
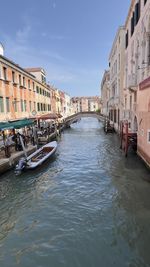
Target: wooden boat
37, 158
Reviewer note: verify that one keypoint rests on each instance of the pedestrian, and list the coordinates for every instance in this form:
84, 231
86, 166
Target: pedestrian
7, 147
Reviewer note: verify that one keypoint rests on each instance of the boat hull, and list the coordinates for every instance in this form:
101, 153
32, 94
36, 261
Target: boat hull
41, 155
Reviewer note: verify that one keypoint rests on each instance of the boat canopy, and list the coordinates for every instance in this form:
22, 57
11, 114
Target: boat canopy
15, 124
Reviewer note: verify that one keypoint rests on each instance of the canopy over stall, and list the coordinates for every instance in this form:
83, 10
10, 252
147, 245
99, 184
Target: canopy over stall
50, 116
15, 124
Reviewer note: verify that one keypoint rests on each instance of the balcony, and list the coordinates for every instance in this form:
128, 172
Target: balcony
114, 101
22, 86
132, 82
5, 80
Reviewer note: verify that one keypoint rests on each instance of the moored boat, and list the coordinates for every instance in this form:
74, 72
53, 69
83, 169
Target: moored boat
37, 158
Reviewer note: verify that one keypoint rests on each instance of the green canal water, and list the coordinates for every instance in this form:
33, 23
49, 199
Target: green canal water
88, 207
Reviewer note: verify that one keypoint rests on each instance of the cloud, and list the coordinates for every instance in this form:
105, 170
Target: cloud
64, 78
53, 37
54, 55
22, 35
54, 5
56, 37
44, 34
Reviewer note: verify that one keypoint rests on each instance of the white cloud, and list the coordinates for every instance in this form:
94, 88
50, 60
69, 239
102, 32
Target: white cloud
51, 54
54, 5
56, 37
22, 35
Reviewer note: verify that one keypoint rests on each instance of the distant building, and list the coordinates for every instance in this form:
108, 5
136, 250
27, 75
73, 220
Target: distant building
116, 63
39, 73
84, 104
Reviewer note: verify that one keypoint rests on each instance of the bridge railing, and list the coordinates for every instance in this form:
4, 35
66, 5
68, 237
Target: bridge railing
81, 114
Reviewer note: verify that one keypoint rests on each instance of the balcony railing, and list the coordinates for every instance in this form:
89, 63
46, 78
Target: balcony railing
114, 101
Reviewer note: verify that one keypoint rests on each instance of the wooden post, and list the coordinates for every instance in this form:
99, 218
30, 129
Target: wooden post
121, 134
126, 139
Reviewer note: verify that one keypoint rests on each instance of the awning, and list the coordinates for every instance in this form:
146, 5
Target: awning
21, 123
15, 124
5, 126
50, 116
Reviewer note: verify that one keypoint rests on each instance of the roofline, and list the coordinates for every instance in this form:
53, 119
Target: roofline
130, 9
114, 42
22, 69
16, 65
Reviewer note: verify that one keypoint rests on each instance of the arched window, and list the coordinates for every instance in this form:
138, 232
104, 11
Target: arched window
135, 124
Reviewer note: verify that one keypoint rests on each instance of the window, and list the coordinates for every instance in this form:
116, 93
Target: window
127, 39
135, 97
30, 105
22, 106
19, 79
7, 104
37, 89
24, 82
115, 116
15, 104
28, 84
33, 85
137, 13
43, 79
38, 106
25, 105
148, 136
34, 106
13, 76
4, 73
132, 24
1, 104
130, 102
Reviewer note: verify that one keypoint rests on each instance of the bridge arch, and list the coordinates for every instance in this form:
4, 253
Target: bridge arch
73, 118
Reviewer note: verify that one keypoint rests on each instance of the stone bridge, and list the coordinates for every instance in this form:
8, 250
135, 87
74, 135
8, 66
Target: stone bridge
75, 117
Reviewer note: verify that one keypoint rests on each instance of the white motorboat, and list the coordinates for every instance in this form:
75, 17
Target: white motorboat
37, 158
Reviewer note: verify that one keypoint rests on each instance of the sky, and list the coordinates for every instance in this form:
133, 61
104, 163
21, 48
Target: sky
70, 39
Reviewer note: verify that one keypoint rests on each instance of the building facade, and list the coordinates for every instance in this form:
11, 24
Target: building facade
21, 94
85, 104
137, 73
116, 63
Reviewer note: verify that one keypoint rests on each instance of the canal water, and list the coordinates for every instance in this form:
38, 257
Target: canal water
88, 207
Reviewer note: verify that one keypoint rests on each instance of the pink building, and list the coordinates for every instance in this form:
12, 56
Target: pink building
144, 120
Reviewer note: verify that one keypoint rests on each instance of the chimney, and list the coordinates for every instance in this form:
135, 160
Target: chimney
1, 49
